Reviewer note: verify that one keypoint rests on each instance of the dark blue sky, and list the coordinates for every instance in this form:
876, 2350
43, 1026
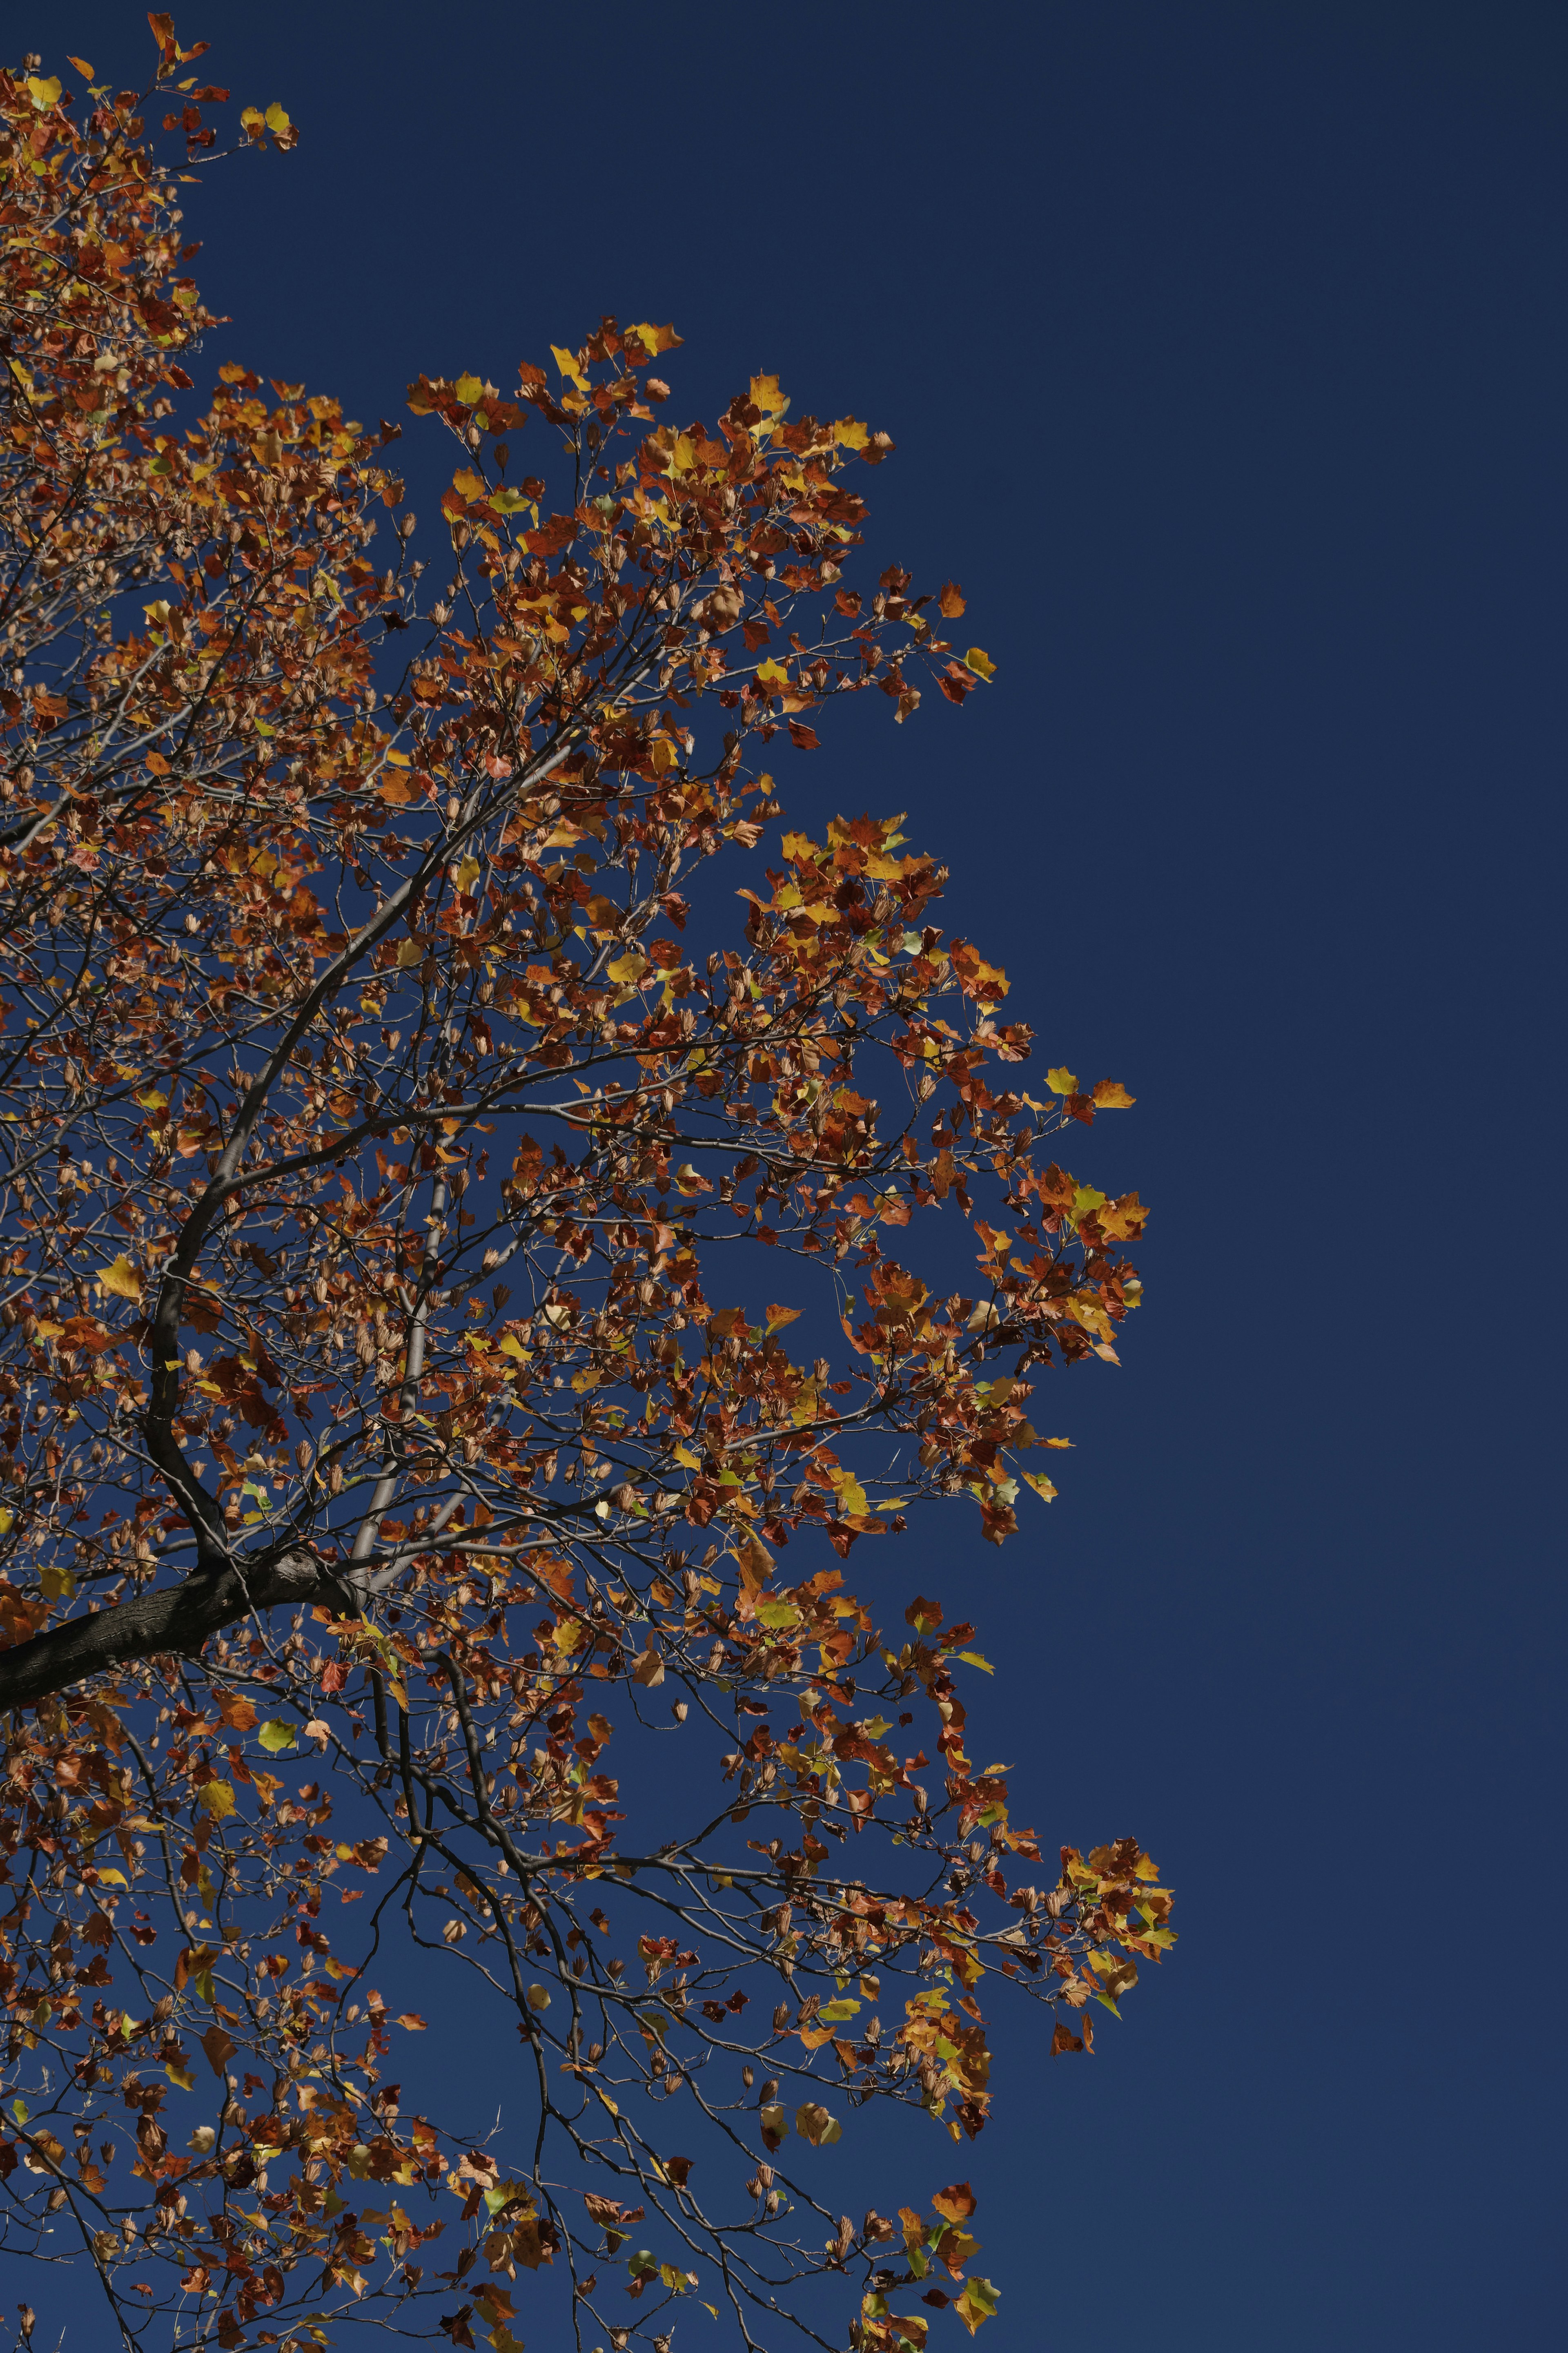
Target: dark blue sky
1223, 347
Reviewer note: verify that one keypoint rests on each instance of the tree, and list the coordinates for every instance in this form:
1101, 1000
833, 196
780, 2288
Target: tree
396, 1417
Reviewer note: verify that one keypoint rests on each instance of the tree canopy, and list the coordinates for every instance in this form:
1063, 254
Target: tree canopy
463, 1309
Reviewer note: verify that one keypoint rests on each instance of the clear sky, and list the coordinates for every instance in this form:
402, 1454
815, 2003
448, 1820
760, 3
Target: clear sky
1224, 348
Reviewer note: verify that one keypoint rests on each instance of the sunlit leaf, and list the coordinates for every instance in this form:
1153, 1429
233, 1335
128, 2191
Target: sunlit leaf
121, 1277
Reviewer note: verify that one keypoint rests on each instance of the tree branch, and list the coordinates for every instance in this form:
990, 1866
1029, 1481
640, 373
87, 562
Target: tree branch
177, 1618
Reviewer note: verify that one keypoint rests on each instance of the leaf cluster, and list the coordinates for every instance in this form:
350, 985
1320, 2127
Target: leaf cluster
435, 1295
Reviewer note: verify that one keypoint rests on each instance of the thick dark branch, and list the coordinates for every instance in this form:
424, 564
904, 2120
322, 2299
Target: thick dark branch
178, 1617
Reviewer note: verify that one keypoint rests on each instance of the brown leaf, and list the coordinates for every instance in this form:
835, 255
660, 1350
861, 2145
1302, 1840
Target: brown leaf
220, 2047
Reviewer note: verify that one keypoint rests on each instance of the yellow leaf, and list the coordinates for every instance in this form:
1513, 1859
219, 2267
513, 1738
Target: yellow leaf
569, 367
1055, 1441
122, 1279
777, 1615
466, 875
278, 1734
850, 1492
217, 1799
977, 2303
766, 396
1111, 1096
684, 1454
470, 390
512, 1347
849, 435
628, 969
772, 673
276, 117
113, 1879
469, 484
981, 663
1041, 1485
81, 66
1061, 1081
43, 93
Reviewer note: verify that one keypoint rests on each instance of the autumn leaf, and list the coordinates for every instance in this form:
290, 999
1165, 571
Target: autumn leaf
1061, 1081
977, 2303
220, 2047
981, 663
778, 1317
1111, 1096
121, 1277
813, 2124
950, 603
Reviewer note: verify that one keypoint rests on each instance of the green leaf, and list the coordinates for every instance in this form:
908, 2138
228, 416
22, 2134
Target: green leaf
778, 1614
276, 1735
978, 2303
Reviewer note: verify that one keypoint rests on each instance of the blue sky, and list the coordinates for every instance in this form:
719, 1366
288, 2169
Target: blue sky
1223, 347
